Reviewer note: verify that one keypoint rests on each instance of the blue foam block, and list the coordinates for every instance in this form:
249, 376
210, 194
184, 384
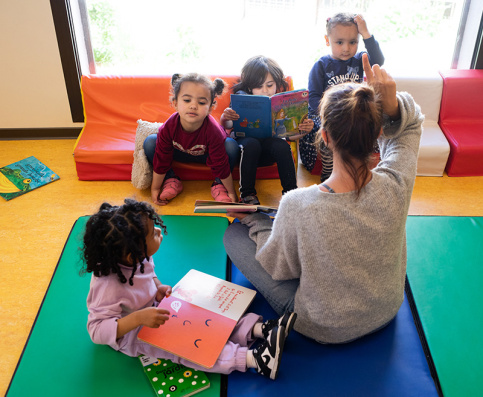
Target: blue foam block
390, 362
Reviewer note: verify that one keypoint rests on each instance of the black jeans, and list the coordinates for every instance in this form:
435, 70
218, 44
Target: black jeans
261, 152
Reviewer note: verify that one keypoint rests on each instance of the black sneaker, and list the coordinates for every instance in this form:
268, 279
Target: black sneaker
287, 321
253, 200
269, 354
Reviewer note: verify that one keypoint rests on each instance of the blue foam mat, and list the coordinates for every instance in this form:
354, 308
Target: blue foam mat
390, 362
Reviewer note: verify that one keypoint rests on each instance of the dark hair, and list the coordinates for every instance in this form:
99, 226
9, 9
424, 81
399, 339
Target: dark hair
113, 234
216, 87
341, 18
254, 73
351, 114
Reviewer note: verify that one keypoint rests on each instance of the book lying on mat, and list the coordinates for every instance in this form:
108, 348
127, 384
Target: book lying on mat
171, 379
262, 116
203, 313
218, 207
23, 176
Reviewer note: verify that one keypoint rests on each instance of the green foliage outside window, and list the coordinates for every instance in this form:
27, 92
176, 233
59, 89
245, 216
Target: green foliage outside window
101, 25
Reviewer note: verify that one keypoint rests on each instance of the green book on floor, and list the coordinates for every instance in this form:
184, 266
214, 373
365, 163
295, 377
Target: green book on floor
172, 379
23, 176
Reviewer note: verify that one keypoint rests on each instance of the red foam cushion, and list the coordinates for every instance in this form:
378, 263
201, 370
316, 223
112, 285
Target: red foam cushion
462, 97
461, 120
466, 148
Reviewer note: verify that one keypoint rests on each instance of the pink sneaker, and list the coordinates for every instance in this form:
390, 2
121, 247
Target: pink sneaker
220, 193
171, 188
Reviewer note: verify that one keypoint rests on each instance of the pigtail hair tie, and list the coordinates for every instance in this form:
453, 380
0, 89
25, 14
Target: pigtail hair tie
175, 78
219, 86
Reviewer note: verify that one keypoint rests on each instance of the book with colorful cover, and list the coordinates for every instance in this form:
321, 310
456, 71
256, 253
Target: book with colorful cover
262, 116
171, 379
203, 313
218, 207
23, 176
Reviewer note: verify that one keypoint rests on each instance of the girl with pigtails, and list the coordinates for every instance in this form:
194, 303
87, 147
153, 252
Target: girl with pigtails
118, 249
192, 135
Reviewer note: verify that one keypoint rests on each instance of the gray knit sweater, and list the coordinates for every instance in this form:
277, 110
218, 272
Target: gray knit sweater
349, 254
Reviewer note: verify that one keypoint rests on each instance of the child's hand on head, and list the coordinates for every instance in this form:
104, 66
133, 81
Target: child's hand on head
164, 291
153, 317
362, 26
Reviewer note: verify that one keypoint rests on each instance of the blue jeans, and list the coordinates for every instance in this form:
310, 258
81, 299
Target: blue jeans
242, 249
231, 147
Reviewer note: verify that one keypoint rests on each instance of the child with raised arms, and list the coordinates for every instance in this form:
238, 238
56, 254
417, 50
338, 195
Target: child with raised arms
343, 64
262, 76
192, 135
119, 243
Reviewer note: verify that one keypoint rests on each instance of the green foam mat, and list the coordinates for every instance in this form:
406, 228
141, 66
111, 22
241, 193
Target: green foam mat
59, 358
445, 274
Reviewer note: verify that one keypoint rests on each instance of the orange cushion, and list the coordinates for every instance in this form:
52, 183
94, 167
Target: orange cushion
112, 106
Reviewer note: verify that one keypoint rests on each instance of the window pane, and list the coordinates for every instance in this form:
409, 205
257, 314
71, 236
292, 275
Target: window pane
217, 36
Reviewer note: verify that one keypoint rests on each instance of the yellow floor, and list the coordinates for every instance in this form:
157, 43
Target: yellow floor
34, 227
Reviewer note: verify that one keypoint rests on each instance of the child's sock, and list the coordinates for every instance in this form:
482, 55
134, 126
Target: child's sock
251, 363
257, 330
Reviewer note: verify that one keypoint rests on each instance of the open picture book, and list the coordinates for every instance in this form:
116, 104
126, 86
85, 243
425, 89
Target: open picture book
203, 313
262, 116
218, 207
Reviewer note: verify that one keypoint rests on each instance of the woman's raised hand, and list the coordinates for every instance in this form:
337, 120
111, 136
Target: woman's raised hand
384, 85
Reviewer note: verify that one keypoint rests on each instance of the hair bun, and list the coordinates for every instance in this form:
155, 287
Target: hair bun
175, 78
219, 86
364, 93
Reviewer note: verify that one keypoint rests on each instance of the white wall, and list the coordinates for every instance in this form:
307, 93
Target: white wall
32, 87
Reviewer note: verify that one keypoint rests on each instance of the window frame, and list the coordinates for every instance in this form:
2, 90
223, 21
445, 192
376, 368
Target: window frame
71, 58
477, 60
69, 52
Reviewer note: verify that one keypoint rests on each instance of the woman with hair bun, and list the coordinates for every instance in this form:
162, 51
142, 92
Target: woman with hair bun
336, 252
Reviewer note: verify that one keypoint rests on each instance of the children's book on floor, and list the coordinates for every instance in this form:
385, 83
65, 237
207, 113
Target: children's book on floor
171, 379
23, 176
203, 313
262, 116
218, 207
